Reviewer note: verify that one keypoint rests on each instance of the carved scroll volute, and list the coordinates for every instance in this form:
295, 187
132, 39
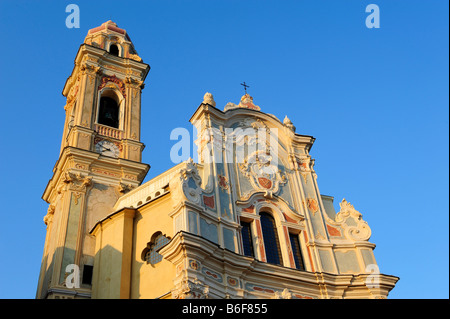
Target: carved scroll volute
186, 185
355, 228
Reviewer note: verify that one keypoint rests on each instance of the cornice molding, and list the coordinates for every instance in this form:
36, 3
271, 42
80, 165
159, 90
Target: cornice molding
79, 161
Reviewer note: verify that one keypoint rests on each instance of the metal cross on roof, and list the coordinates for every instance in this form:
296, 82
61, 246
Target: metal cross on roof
245, 87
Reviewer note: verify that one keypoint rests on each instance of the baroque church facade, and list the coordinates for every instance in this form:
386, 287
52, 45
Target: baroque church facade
244, 222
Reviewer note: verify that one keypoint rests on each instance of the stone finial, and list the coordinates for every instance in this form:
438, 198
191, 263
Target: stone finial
209, 99
287, 122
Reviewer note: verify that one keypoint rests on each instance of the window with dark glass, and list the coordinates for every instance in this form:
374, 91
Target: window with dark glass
109, 112
295, 245
87, 274
114, 50
271, 242
247, 241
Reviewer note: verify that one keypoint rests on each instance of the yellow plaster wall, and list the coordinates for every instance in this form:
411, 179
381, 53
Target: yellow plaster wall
152, 281
112, 257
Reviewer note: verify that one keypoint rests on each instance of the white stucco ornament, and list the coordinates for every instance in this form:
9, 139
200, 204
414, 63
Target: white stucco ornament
262, 174
355, 228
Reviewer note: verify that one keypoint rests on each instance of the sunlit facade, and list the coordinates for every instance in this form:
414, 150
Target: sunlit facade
246, 221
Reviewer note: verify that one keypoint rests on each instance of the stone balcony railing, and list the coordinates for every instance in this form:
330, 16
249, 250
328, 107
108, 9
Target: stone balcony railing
108, 131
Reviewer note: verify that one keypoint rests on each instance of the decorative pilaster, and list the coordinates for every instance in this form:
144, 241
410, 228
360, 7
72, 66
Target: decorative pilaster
76, 186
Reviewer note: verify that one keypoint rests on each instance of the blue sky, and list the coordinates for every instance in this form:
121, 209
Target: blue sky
376, 100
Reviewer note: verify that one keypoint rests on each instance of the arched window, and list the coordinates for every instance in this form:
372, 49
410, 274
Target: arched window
271, 242
114, 50
150, 254
108, 112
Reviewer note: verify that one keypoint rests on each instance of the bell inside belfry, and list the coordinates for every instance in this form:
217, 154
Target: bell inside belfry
109, 112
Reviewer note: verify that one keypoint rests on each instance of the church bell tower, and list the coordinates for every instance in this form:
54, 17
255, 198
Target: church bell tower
99, 160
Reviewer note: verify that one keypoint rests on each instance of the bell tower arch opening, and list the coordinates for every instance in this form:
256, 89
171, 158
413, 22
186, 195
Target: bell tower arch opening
114, 49
109, 109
